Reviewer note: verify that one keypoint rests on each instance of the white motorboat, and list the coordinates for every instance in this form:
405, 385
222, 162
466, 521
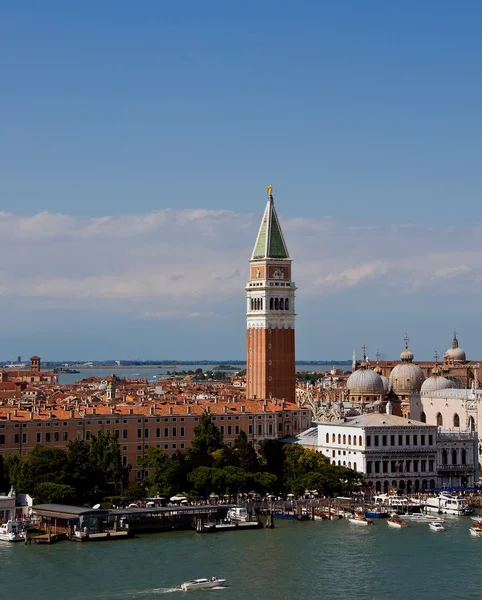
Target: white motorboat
419, 517
476, 530
202, 584
396, 523
436, 526
360, 521
477, 518
448, 504
12, 531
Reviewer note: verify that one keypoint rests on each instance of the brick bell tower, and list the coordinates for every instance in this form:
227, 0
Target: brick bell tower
270, 340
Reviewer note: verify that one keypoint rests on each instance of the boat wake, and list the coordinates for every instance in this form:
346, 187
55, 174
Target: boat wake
156, 591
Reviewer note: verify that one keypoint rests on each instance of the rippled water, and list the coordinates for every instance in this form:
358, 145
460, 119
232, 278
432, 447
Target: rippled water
308, 560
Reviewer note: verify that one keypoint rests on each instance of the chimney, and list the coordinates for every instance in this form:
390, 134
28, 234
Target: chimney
131, 411
31, 415
151, 410
282, 404
225, 409
265, 405
15, 412
9, 416
170, 410
50, 414
243, 408
72, 413
93, 410
188, 410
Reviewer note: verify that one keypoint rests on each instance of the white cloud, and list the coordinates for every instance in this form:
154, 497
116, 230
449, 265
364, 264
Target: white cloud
186, 263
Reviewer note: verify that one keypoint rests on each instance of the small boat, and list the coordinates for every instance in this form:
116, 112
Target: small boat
419, 517
376, 514
359, 520
436, 526
477, 518
476, 531
396, 523
202, 584
12, 531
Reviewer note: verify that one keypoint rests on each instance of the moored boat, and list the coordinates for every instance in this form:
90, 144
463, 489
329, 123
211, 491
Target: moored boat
448, 504
202, 584
359, 520
436, 526
476, 530
376, 514
12, 531
419, 517
396, 523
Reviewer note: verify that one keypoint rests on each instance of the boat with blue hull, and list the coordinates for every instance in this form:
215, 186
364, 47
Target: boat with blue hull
376, 514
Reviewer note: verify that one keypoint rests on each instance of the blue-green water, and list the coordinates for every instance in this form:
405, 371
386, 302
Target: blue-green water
153, 373
306, 560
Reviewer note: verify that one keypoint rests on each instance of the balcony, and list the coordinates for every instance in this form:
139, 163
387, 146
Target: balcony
454, 468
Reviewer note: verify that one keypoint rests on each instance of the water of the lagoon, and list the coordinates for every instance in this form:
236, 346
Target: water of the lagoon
153, 373
308, 560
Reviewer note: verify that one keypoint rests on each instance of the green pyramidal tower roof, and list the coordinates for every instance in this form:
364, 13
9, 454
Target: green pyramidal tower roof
270, 242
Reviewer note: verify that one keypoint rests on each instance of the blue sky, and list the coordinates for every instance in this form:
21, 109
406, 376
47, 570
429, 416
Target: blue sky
365, 117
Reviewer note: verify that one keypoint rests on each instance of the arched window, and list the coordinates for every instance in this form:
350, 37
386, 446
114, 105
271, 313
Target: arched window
464, 456
354, 466
349, 440
349, 465
440, 420
456, 420
354, 440
454, 456
444, 457
281, 304
287, 303
327, 438
344, 439
333, 438
271, 303
252, 304
339, 438
359, 441
276, 303
471, 424
423, 417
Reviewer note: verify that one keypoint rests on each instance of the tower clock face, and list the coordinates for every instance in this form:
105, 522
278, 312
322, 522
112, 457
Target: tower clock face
278, 274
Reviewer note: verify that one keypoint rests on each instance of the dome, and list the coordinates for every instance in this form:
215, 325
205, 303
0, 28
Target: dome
386, 383
406, 377
406, 356
365, 382
455, 353
435, 383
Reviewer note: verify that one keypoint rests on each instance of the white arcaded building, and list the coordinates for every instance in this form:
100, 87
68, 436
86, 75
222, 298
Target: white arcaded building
398, 453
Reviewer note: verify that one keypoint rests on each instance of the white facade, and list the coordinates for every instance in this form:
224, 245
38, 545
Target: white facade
454, 410
397, 453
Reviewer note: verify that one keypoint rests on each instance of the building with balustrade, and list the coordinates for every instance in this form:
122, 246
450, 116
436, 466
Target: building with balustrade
397, 453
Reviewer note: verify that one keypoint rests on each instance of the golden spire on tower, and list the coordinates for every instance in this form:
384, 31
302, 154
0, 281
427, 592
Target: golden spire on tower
270, 190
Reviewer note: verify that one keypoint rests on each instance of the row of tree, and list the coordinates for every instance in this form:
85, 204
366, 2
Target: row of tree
83, 473
88, 472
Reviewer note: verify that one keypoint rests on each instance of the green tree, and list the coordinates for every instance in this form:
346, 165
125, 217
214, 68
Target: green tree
265, 482
245, 453
168, 471
207, 439
201, 480
4, 479
56, 493
105, 455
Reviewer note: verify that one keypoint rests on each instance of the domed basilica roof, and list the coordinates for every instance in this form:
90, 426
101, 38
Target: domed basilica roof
436, 382
455, 353
365, 382
406, 377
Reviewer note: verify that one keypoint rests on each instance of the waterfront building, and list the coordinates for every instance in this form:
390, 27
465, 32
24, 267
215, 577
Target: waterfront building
270, 316
398, 453
143, 422
33, 375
